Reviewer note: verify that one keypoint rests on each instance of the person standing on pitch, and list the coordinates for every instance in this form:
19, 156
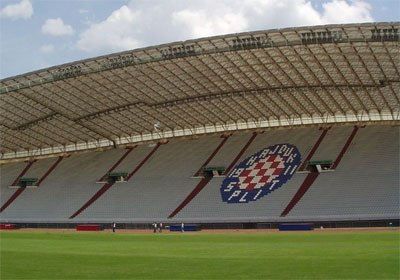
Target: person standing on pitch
182, 227
114, 225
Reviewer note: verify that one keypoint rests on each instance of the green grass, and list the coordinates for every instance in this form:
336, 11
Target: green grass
314, 255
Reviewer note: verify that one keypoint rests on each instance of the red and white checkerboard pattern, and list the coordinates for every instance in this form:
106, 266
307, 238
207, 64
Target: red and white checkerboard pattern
261, 173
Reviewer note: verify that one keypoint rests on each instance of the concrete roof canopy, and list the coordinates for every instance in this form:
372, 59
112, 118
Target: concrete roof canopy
318, 75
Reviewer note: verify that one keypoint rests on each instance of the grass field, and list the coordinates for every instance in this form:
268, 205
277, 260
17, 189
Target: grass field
277, 255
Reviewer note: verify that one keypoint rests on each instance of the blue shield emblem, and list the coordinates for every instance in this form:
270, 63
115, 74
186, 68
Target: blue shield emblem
261, 173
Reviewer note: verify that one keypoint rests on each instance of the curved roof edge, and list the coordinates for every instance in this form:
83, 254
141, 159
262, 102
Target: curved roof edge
198, 40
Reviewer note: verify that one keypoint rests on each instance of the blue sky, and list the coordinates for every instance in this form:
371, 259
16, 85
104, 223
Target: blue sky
37, 34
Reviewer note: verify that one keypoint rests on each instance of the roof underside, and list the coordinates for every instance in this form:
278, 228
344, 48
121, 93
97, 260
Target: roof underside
287, 77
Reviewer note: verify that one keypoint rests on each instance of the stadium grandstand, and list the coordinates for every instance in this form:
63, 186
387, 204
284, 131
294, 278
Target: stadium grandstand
284, 125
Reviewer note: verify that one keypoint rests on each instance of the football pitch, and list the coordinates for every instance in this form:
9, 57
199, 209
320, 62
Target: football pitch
267, 255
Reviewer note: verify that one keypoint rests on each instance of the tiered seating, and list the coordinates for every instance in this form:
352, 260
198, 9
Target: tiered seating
365, 184
333, 143
159, 186
39, 168
337, 155
64, 191
8, 174
208, 204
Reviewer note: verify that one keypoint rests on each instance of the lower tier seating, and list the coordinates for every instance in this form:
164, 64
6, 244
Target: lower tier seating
364, 185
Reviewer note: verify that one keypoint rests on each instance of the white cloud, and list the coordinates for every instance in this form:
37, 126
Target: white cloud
237, 16
202, 23
142, 23
47, 48
23, 10
56, 27
118, 32
83, 11
339, 11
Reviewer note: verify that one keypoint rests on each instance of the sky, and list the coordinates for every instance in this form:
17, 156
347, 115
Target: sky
36, 34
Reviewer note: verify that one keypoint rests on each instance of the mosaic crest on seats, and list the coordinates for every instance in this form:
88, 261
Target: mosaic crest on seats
261, 173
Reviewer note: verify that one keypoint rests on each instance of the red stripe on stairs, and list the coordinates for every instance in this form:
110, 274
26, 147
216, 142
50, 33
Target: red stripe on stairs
308, 181
192, 195
313, 150
15, 183
93, 199
240, 153
50, 170
130, 149
205, 181
345, 147
106, 186
143, 161
12, 198
198, 173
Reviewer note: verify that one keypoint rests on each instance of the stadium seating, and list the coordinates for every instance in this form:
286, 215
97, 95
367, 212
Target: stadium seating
159, 186
365, 184
9, 172
64, 191
209, 203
